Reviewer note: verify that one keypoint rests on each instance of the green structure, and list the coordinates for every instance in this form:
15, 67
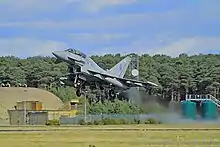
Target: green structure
209, 110
189, 109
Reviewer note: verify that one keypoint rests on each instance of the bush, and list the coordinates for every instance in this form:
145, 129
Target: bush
53, 122
152, 121
96, 122
116, 122
82, 122
108, 121
137, 121
122, 121
89, 123
160, 122
111, 121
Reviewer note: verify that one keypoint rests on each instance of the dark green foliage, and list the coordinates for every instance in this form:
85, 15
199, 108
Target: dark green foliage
152, 121
136, 121
176, 76
89, 123
33, 71
82, 122
122, 121
111, 121
54, 122
192, 74
115, 107
96, 122
64, 93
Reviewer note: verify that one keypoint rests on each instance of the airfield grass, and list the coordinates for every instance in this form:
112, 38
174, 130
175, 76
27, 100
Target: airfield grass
191, 126
102, 137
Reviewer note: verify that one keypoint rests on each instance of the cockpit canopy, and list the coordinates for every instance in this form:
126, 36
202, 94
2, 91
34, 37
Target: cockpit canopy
77, 52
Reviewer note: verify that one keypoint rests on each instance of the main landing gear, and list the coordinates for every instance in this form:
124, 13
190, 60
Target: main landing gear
78, 85
112, 93
78, 92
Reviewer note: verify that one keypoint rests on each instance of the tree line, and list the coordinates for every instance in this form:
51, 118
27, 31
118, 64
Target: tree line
197, 74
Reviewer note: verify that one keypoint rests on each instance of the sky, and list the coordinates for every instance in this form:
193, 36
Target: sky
98, 27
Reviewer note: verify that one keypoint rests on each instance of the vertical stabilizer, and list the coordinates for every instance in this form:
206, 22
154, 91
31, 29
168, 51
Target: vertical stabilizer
120, 68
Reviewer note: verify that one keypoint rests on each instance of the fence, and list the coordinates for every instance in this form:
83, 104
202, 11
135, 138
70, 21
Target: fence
91, 118
168, 118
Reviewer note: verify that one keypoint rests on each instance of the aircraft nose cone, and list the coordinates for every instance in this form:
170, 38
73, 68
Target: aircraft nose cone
56, 54
60, 55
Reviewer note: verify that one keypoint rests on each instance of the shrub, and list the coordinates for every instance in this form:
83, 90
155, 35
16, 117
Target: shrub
137, 121
152, 121
96, 122
160, 122
116, 122
53, 122
111, 121
89, 123
108, 121
122, 121
82, 122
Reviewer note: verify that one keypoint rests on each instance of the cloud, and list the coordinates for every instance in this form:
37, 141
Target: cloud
121, 20
97, 5
191, 46
15, 6
96, 38
48, 5
152, 27
174, 18
24, 47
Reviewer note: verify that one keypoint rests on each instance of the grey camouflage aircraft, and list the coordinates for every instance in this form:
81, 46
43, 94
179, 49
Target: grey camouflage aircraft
85, 72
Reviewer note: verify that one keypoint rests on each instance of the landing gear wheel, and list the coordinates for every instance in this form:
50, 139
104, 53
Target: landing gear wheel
111, 94
78, 92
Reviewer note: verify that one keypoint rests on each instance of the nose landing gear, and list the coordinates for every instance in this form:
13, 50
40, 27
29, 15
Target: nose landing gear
112, 93
78, 92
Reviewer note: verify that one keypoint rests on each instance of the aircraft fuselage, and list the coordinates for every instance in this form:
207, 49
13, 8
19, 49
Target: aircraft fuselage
89, 72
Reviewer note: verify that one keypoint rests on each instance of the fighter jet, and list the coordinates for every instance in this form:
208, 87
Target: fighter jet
85, 72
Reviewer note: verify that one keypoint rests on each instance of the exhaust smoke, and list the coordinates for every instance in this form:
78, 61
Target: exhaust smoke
168, 112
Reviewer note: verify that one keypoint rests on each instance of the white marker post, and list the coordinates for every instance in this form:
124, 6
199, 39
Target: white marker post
24, 112
85, 108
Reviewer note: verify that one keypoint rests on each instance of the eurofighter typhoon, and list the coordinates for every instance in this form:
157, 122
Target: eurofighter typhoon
84, 72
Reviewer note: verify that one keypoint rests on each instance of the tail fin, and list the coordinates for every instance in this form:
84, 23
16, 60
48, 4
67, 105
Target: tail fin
120, 68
